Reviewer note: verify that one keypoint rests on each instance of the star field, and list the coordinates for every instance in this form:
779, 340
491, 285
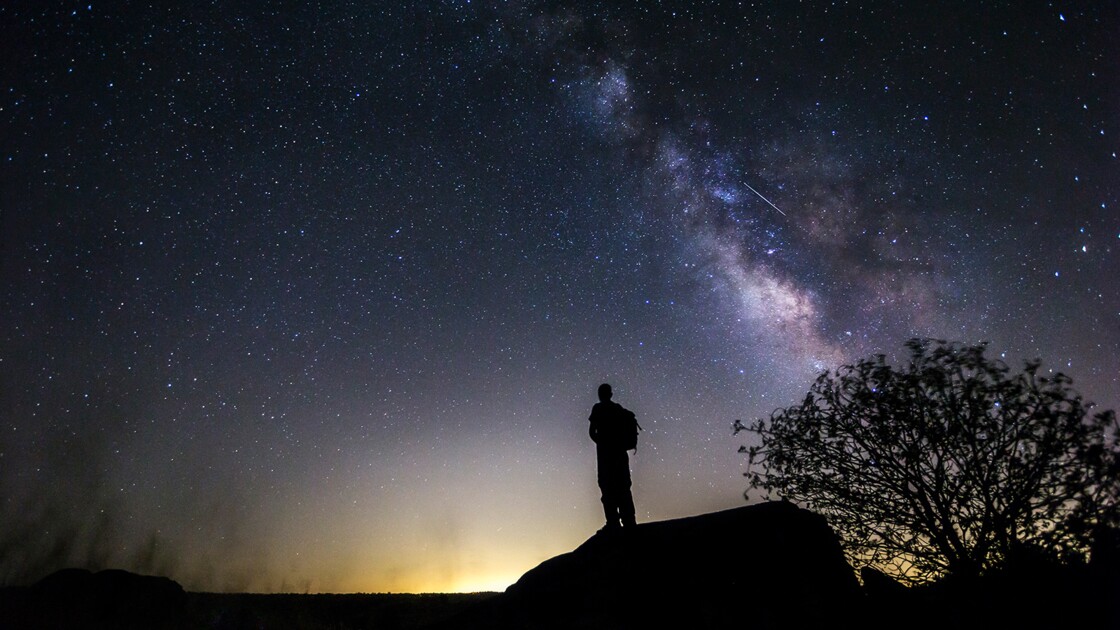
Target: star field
316, 296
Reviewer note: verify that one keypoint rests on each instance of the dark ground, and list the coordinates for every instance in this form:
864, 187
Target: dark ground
770, 566
989, 606
1073, 600
24, 608
373, 611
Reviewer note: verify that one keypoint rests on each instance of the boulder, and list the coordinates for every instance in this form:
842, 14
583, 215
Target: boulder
879, 585
771, 565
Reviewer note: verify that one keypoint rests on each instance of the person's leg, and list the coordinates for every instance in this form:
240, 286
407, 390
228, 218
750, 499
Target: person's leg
610, 507
626, 507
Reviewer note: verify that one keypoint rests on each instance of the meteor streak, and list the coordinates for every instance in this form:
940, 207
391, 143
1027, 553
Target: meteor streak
764, 199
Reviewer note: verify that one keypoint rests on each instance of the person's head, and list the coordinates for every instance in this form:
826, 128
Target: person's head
605, 392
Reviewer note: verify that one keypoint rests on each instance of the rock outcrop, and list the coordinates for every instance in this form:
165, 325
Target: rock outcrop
77, 598
771, 565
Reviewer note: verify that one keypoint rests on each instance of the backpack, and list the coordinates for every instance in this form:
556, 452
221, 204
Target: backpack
628, 429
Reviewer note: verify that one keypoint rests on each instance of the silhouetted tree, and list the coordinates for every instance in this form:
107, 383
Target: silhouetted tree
950, 464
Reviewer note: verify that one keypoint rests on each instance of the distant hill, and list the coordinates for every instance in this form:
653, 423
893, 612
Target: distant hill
772, 565
77, 598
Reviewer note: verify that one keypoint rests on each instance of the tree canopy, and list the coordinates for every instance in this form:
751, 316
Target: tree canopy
952, 463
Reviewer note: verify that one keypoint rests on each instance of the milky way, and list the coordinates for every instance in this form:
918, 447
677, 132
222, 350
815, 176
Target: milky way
317, 296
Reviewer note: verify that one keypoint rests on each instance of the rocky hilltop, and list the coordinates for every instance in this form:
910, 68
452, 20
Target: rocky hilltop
772, 565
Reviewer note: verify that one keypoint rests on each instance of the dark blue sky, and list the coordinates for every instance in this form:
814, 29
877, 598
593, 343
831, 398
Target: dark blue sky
317, 295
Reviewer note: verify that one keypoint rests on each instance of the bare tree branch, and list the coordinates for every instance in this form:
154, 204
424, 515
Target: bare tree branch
949, 464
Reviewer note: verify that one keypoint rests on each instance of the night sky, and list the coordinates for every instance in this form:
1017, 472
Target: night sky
316, 296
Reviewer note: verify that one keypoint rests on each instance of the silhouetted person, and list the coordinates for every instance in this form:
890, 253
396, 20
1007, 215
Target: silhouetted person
609, 421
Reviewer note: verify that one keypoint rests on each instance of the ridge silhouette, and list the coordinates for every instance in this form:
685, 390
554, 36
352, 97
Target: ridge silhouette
706, 571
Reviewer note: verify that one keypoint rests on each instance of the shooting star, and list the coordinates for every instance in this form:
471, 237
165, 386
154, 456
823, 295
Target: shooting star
765, 199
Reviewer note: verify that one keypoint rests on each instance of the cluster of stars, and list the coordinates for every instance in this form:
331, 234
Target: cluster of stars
322, 295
